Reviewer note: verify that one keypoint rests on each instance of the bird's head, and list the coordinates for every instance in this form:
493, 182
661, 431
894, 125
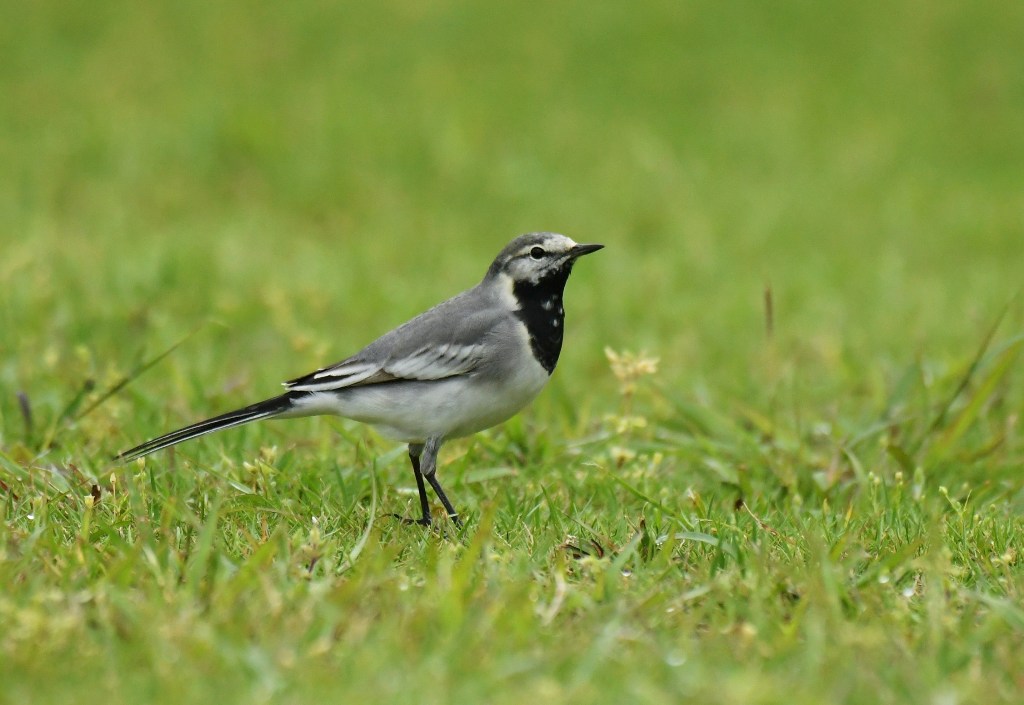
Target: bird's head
536, 257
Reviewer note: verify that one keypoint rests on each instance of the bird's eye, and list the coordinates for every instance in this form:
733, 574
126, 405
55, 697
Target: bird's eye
537, 253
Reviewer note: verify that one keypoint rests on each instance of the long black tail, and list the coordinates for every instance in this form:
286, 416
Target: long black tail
253, 412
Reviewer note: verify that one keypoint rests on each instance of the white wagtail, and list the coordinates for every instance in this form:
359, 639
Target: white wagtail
467, 364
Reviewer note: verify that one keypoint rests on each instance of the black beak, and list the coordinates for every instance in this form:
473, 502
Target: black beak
581, 250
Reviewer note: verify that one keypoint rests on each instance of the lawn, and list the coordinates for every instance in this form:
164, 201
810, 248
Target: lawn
780, 461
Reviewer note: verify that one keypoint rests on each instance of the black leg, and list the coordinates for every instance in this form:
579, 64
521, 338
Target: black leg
414, 457
430, 449
452, 514
415, 450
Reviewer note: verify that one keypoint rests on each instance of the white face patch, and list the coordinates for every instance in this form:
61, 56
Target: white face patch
507, 289
525, 268
553, 243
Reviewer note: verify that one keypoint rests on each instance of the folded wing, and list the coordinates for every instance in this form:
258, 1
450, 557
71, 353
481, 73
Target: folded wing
430, 362
453, 338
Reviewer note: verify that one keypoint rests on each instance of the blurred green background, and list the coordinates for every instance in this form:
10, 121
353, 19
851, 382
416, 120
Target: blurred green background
346, 165
295, 178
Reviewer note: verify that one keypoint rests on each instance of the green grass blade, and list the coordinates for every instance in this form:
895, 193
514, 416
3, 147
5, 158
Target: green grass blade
969, 414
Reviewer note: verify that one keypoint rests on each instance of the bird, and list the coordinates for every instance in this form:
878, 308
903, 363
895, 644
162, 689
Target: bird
467, 364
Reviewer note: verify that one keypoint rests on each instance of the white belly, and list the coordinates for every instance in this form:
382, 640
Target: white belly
414, 411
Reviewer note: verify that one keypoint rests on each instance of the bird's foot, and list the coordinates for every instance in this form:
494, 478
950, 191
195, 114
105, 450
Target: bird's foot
427, 521
422, 521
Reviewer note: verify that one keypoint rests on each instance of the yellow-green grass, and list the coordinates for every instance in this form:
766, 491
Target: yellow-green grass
817, 504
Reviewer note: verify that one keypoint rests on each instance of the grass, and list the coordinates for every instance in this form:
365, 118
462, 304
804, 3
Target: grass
820, 506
